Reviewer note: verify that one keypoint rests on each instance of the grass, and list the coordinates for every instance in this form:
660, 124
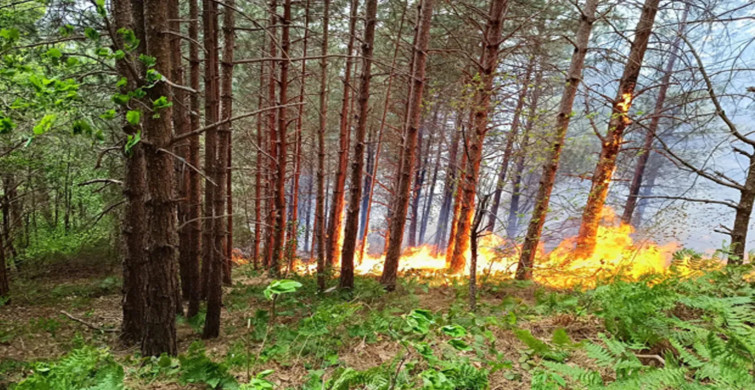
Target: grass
678, 333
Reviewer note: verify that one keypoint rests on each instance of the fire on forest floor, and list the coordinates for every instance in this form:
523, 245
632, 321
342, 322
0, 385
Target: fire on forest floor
616, 255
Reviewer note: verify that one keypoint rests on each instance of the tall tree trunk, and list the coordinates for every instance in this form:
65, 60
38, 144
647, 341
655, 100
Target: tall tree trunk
161, 274
647, 146
336, 211
381, 130
419, 178
220, 259
367, 183
229, 41
611, 143
271, 133
4, 284
742, 217
357, 165
509, 148
548, 177
180, 126
449, 187
280, 190
512, 227
212, 115
431, 191
411, 128
259, 170
134, 189
481, 104
320, 201
293, 226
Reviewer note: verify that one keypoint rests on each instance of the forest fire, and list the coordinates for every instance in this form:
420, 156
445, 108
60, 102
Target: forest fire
616, 255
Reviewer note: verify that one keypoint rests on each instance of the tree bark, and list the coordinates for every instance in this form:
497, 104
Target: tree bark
481, 103
220, 260
134, 190
259, 163
336, 211
431, 191
509, 148
161, 276
320, 197
411, 128
548, 177
449, 187
647, 147
611, 143
381, 131
419, 178
280, 191
513, 218
194, 191
212, 115
180, 126
357, 165
293, 226
4, 284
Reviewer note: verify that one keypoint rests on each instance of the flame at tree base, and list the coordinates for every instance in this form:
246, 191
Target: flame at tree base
616, 256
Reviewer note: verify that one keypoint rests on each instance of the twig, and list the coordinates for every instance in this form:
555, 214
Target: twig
87, 324
656, 357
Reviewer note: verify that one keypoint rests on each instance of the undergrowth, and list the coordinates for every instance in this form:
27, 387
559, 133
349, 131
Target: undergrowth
656, 333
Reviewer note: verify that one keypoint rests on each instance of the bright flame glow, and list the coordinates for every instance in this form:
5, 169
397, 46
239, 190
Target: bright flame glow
616, 256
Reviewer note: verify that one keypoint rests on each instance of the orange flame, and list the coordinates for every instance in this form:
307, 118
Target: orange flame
616, 256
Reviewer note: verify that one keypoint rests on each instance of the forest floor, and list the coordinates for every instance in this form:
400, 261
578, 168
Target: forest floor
421, 336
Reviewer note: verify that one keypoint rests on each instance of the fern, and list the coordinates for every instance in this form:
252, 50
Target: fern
86, 368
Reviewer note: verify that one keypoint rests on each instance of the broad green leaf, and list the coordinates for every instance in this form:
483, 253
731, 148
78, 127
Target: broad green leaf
454, 330
133, 117
54, 53
282, 286
45, 124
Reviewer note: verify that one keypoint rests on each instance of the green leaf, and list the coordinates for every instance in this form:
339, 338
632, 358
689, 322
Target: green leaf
107, 115
121, 82
148, 61
121, 99
161, 102
91, 34
419, 321
561, 338
82, 126
54, 53
283, 286
6, 125
45, 124
454, 330
459, 344
72, 61
65, 30
133, 117
11, 34
132, 140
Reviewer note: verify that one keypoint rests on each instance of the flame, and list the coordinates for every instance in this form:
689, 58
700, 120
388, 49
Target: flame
616, 256
624, 105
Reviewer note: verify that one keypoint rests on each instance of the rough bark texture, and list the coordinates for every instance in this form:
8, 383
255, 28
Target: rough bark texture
509, 148
212, 115
430, 193
611, 143
194, 191
413, 113
180, 126
320, 197
512, 225
548, 177
4, 283
134, 189
449, 187
336, 210
419, 178
481, 104
742, 217
647, 146
381, 131
280, 184
271, 134
259, 163
220, 259
293, 226
161, 274
357, 165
